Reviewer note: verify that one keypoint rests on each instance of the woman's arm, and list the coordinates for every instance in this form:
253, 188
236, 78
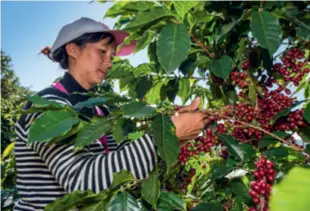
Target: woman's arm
84, 169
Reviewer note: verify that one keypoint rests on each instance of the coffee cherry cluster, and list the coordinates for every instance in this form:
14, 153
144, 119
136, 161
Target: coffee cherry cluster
274, 102
261, 187
239, 78
293, 121
291, 68
201, 144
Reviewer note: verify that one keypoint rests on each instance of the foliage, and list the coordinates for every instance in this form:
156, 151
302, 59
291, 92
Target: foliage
224, 53
12, 99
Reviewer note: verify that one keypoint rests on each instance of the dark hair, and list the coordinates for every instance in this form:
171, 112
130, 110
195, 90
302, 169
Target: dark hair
61, 55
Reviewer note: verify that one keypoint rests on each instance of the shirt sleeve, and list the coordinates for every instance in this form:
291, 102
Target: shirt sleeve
82, 170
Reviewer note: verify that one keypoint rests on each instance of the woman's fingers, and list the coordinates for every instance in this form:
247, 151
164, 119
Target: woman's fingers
192, 107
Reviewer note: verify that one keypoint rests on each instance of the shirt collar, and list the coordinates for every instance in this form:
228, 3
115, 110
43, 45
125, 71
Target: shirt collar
71, 85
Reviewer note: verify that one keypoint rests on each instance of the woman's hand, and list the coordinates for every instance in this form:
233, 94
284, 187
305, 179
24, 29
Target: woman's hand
189, 122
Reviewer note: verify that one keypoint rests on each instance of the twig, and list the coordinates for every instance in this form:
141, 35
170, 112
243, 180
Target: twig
174, 76
308, 80
201, 45
258, 128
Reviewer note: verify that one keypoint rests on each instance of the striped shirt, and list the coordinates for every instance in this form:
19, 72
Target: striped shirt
45, 173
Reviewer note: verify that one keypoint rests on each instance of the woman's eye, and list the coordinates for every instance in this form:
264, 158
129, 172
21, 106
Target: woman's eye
103, 51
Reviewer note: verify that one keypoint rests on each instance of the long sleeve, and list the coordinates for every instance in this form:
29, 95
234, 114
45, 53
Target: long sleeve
85, 169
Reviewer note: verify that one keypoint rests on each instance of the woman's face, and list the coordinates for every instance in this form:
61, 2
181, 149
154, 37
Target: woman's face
93, 62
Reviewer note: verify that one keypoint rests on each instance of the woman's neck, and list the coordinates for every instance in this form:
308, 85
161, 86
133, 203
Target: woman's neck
80, 79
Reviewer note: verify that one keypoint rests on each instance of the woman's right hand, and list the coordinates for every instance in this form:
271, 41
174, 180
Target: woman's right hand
189, 122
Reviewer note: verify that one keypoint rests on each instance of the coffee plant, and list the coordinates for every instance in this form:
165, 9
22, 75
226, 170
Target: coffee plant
248, 62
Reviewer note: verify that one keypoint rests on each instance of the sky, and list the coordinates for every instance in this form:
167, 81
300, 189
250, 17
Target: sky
29, 26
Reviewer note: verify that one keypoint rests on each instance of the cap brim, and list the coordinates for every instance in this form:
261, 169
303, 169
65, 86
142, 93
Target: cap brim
119, 37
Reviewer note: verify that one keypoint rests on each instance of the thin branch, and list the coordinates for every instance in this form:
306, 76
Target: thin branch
174, 76
201, 45
304, 83
257, 128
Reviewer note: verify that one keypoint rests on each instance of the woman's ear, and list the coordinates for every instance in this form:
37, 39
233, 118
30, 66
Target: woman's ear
72, 50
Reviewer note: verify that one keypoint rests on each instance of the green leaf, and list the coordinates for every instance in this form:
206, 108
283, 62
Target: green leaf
124, 201
305, 134
239, 189
52, 124
303, 32
93, 131
126, 82
96, 101
172, 89
171, 200
119, 70
252, 94
144, 41
40, 102
222, 67
220, 171
242, 46
307, 91
188, 66
266, 29
139, 6
237, 204
225, 29
143, 18
209, 207
233, 147
118, 132
137, 110
67, 202
144, 69
269, 140
8, 151
183, 7
184, 86
173, 46
307, 150
154, 94
283, 112
115, 10
203, 61
143, 85
94, 207
136, 135
249, 152
293, 192
120, 178
295, 156
307, 113
150, 189
165, 138
280, 152
199, 17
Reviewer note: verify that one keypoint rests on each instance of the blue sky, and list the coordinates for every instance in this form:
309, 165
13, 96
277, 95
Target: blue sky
27, 27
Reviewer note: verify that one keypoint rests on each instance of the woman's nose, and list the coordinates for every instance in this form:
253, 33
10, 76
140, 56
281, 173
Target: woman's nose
108, 64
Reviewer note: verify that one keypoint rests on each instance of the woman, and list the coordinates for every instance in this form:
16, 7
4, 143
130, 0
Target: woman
44, 173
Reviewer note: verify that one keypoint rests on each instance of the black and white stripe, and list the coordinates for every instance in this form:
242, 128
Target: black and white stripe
45, 173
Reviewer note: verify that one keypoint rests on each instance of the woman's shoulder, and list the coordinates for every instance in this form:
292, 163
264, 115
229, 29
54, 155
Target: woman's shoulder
52, 94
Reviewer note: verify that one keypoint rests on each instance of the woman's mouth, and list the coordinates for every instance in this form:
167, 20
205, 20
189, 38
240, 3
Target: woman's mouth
102, 72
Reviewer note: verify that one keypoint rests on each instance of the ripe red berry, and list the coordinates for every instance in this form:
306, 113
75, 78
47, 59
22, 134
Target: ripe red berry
256, 200
252, 209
